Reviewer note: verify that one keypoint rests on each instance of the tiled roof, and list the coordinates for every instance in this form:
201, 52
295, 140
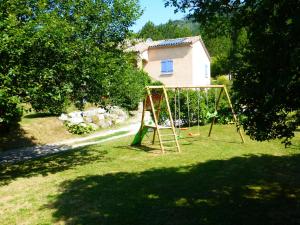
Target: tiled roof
174, 42
140, 47
149, 44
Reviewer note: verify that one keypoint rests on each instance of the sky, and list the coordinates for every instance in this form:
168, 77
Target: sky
155, 11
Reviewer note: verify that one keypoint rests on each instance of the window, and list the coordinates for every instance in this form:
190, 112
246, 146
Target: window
167, 66
206, 71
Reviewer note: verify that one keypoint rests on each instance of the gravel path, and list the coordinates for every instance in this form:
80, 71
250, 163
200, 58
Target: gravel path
23, 154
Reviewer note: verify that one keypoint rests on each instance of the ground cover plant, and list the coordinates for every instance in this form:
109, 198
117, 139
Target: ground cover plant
214, 180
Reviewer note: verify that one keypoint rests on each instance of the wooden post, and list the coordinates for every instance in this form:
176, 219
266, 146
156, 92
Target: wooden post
234, 115
143, 115
155, 120
157, 115
171, 119
217, 107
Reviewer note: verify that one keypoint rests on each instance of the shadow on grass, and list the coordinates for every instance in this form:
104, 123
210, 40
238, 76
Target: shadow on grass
40, 115
145, 148
149, 148
51, 164
243, 190
238, 142
15, 138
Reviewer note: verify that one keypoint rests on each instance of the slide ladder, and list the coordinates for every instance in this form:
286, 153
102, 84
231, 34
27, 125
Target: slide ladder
151, 122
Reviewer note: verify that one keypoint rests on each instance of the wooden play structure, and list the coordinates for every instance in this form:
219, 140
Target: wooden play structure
152, 108
153, 103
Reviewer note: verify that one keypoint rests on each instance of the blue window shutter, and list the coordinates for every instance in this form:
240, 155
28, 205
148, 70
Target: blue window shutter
171, 66
166, 66
163, 66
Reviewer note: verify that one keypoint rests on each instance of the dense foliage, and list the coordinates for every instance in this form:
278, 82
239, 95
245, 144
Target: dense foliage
168, 30
265, 59
10, 110
56, 52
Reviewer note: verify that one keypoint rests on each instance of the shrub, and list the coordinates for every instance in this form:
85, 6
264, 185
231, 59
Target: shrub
81, 128
224, 80
224, 113
10, 110
50, 103
128, 88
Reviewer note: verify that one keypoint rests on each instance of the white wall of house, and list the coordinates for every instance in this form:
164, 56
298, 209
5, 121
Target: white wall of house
144, 55
201, 65
182, 57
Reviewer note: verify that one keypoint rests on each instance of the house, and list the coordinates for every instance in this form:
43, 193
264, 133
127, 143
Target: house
175, 62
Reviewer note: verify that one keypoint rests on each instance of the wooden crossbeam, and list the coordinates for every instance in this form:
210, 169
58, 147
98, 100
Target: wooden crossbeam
186, 87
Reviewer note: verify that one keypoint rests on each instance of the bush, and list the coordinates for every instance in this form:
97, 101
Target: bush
128, 88
219, 65
223, 80
50, 103
224, 113
10, 110
81, 128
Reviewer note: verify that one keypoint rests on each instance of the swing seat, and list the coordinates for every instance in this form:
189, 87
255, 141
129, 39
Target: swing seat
183, 128
194, 134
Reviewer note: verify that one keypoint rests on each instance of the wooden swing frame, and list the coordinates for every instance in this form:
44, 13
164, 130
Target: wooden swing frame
156, 112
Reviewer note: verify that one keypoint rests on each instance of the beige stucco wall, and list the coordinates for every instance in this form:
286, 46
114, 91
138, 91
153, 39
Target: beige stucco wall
182, 65
200, 59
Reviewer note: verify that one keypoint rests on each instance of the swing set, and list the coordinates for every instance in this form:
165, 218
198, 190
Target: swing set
177, 111
152, 110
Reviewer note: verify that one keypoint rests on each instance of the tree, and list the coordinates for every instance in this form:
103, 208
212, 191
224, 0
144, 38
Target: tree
149, 30
168, 30
55, 52
265, 59
219, 49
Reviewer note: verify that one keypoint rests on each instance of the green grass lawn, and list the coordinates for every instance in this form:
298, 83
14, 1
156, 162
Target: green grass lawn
214, 181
